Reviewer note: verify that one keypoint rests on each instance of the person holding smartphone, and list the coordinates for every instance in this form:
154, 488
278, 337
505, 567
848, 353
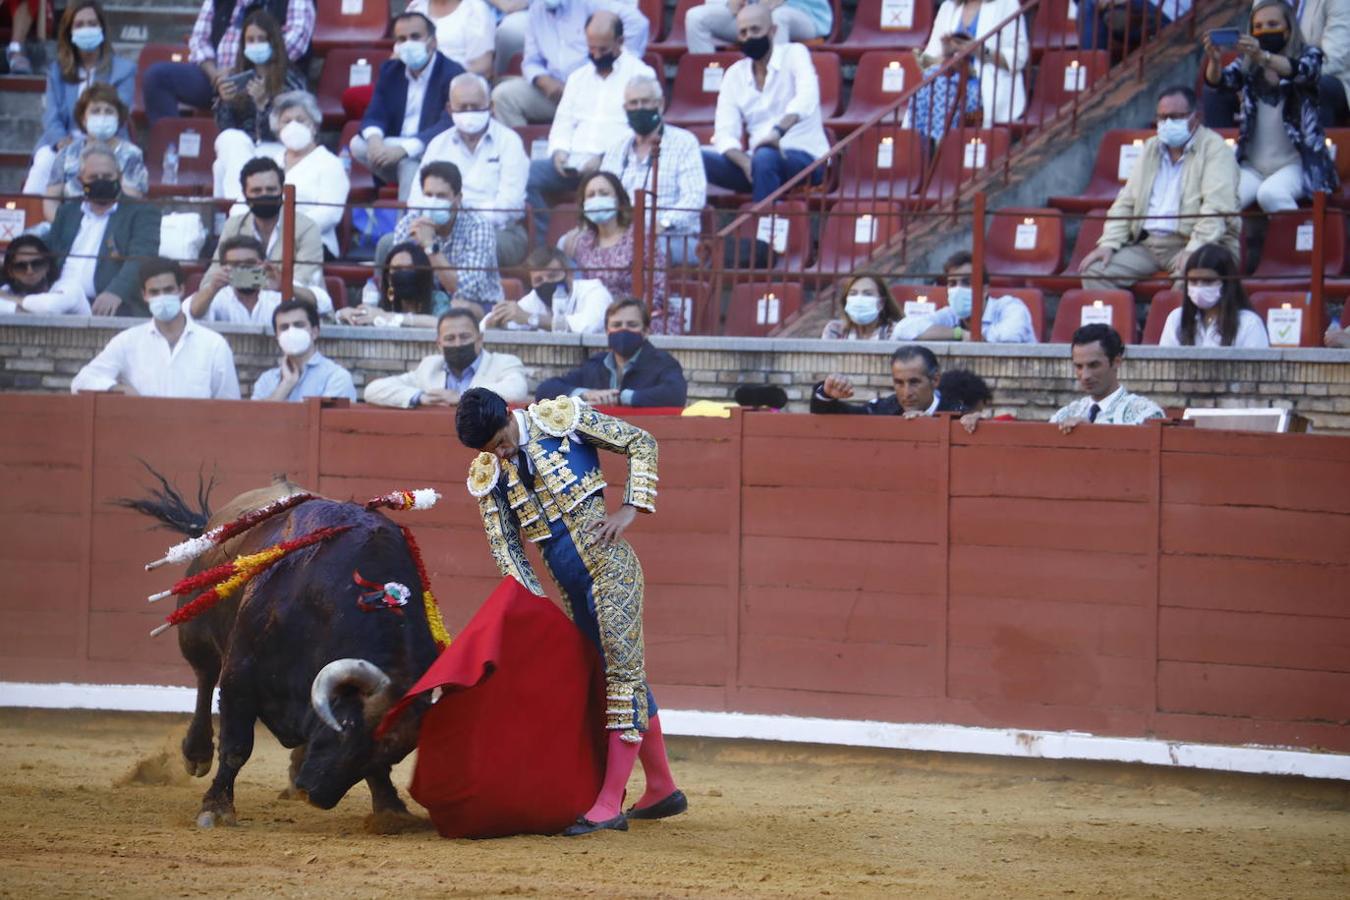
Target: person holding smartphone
1281, 150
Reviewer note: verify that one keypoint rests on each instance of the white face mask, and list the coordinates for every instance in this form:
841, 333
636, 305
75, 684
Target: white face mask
296, 136
862, 308
471, 121
1205, 296
100, 126
165, 307
295, 341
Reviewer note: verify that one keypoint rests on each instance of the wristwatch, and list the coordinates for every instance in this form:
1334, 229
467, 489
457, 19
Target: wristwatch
779, 129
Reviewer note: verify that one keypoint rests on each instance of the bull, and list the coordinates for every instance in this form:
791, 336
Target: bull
298, 651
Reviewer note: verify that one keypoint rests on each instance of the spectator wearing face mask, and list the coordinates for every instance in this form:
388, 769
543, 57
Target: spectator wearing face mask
794, 20
492, 161
630, 373
99, 243
169, 356
28, 282
244, 288
1003, 320
83, 57
321, 182
1282, 149
864, 311
406, 297
1214, 310
1184, 185
459, 364
558, 302
261, 180
302, 370
407, 109
102, 115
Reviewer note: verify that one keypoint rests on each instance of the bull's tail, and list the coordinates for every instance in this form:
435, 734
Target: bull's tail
169, 508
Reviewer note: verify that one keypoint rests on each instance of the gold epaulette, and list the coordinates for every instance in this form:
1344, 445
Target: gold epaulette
483, 474
558, 417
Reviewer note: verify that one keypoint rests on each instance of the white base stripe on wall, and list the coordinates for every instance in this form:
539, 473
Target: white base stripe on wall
1009, 742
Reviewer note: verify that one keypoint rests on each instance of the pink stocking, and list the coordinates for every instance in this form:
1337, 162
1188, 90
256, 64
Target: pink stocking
619, 762
655, 765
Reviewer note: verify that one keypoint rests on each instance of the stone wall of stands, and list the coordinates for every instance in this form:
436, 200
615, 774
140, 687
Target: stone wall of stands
1029, 382
1159, 580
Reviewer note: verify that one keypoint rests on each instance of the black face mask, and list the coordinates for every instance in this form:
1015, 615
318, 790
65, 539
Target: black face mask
266, 206
103, 190
625, 342
548, 289
644, 121
1272, 41
460, 358
756, 47
604, 64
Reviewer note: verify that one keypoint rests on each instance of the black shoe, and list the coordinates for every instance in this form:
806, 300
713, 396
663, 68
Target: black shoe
761, 395
584, 825
673, 805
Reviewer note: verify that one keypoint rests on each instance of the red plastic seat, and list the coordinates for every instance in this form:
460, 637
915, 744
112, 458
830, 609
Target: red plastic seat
655, 11
1159, 308
29, 208
1051, 27
831, 80
1063, 75
1109, 172
194, 171
1089, 232
1264, 301
364, 28
513, 288
1070, 316
869, 32
885, 162
793, 249
964, 155
562, 219
908, 294
1338, 145
337, 290
362, 180
1035, 303
689, 101
759, 307
535, 139
1286, 257
882, 76
851, 234
149, 55
1022, 244
675, 44
342, 70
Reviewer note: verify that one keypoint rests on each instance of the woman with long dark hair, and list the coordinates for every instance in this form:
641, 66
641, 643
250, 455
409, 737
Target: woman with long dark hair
864, 311
28, 282
1214, 310
407, 296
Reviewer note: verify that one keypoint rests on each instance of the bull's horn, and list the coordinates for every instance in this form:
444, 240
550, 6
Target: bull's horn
361, 674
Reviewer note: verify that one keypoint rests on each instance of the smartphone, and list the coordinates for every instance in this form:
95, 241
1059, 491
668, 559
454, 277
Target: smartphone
251, 278
240, 80
1224, 37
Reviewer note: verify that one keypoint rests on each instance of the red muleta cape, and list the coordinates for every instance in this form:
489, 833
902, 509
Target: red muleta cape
516, 743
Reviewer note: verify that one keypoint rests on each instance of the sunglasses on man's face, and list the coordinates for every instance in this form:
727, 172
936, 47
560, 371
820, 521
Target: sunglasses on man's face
28, 265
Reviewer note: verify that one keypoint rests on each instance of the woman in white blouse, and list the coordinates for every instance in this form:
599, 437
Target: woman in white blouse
999, 68
465, 31
321, 182
1214, 310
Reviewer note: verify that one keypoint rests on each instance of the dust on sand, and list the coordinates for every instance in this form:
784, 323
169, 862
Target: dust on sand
96, 804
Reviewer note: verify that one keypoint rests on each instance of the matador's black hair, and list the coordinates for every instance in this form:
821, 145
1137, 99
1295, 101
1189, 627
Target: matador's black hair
480, 416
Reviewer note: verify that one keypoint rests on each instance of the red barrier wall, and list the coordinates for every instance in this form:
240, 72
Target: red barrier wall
1156, 581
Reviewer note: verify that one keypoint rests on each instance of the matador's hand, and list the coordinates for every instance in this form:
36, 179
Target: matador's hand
611, 527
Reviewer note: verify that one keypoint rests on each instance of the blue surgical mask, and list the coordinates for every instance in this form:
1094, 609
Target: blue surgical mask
1174, 132
100, 126
552, 4
88, 38
165, 307
260, 54
863, 309
413, 53
959, 299
601, 209
437, 209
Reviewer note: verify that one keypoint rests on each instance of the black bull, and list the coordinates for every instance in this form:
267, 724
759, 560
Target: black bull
295, 650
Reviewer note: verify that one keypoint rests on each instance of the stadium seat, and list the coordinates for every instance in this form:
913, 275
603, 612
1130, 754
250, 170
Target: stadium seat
17, 214
882, 76
1061, 77
964, 155
535, 139
831, 81
1115, 160
1035, 303
655, 11
884, 162
675, 44
562, 219
1080, 307
344, 68
758, 308
513, 288
851, 234
886, 25
342, 24
1089, 232
1286, 257
1052, 28
698, 80
1159, 308
362, 180
149, 55
789, 233
337, 290
1305, 335
194, 162
1022, 243
916, 299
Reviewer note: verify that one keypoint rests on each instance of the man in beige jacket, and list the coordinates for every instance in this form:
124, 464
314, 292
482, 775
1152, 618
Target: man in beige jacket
262, 180
460, 363
1185, 171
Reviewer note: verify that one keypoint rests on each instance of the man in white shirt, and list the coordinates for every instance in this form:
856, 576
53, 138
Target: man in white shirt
680, 186
773, 95
243, 288
557, 303
170, 356
1003, 319
1097, 351
459, 364
492, 161
590, 114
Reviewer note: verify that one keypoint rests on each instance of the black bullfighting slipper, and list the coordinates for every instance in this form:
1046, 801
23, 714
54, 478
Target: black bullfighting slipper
584, 825
673, 805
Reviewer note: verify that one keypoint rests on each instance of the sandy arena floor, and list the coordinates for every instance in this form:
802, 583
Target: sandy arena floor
97, 804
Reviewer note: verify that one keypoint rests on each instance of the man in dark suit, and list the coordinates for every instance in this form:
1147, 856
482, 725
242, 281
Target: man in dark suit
630, 373
100, 242
408, 106
915, 373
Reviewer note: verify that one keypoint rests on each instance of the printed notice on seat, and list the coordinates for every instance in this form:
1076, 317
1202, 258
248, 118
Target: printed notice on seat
1284, 325
773, 230
1025, 238
1075, 78
897, 14
886, 153
920, 307
977, 154
359, 74
1303, 238
189, 145
712, 78
865, 230
893, 79
1096, 314
11, 223
353, 7
767, 310
1129, 155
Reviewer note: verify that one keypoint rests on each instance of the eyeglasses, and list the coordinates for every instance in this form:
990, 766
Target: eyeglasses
29, 265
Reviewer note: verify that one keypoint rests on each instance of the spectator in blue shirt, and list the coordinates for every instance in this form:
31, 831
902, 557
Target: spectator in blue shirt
1004, 320
302, 370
